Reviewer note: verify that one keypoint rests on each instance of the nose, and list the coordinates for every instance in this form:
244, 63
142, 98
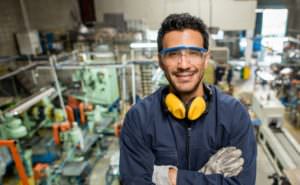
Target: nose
183, 62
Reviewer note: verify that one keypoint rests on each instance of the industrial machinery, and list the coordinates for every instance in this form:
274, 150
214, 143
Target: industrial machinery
286, 84
64, 157
98, 85
11, 145
143, 56
19, 133
100, 54
159, 79
61, 132
5, 160
145, 72
58, 143
280, 147
143, 51
268, 108
291, 49
29, 43
113, 171
222, 69
220, 54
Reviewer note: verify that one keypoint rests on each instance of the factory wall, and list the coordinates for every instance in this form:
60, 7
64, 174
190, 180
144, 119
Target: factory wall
44, 15
293, 7
293, 18
11, 21
53, 15
63, 15
226, 14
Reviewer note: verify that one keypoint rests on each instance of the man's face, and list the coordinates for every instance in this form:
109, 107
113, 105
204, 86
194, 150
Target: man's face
184, 73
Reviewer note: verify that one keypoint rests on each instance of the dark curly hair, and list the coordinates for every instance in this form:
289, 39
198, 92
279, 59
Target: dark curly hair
180, 22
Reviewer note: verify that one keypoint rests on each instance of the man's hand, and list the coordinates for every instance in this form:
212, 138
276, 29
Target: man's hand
226, 161
164, 175
173, 175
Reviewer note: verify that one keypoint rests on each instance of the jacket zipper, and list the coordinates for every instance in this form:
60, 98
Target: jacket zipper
188, 147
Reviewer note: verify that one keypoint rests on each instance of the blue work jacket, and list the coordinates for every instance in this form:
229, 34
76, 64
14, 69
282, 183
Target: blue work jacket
152, 136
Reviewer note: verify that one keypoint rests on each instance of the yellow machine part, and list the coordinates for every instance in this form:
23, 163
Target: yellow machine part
58, 115
246, 72
31, 181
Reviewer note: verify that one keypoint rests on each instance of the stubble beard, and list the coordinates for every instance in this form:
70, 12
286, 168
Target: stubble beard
183, 92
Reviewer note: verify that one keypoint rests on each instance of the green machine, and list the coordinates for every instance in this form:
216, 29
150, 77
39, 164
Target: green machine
12, 128
99, 85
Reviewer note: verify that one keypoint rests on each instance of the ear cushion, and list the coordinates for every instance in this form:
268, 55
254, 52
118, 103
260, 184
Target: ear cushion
197, 108
175, 106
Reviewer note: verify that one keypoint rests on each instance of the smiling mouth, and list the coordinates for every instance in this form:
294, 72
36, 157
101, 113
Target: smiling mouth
184, 77
179, 75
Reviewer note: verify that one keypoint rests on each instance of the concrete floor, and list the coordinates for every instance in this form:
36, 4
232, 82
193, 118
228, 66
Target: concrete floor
264, 168
99, 172
295, 132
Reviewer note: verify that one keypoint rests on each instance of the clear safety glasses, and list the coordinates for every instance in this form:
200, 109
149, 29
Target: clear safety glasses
192, 53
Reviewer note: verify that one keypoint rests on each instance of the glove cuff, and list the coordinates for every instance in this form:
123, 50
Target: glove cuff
161, 174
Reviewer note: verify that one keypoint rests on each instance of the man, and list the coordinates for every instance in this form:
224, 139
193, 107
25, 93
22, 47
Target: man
188, 132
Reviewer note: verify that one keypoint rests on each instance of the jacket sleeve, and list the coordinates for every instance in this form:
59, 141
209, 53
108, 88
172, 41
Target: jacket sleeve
242, 136
136, 158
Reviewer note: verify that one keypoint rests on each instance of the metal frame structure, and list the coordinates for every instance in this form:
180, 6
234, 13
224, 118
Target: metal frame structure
30, 101
11, 145
74, 66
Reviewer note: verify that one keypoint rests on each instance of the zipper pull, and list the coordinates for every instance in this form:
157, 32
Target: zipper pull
189, 131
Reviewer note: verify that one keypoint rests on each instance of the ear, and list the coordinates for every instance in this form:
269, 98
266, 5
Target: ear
160, 62
206, 59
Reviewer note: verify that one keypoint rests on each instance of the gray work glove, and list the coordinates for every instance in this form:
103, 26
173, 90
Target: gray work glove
161, 174
227, 161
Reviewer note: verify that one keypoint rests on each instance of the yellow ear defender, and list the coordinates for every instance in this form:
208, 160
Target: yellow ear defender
196, 108
175, 106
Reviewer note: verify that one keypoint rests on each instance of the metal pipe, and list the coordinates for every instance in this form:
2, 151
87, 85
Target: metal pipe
124, 85
75, 67
29, 66
27, 27
52, 61
74, 54
104, 55
133, 84
7, 59
11, 144
28, 102
25, 15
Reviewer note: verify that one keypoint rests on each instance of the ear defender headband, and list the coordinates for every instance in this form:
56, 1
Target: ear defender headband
192, 111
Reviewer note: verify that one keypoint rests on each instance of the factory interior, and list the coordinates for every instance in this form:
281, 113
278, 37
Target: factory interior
71, 69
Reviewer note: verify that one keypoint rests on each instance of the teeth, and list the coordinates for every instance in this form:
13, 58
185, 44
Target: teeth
183, 75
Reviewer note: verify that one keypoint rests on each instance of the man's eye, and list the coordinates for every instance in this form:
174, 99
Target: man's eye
172, 54
194, 53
